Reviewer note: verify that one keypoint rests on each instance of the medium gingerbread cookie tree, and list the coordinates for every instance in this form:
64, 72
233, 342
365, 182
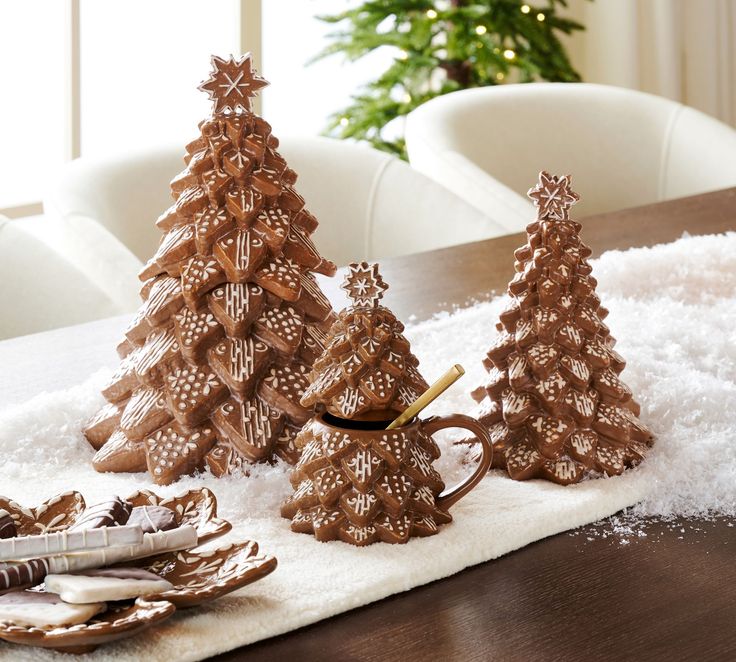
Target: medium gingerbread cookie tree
217, 358
554, 402
356, 481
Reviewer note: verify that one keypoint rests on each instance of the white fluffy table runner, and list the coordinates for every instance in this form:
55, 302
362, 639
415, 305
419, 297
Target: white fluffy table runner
673, 310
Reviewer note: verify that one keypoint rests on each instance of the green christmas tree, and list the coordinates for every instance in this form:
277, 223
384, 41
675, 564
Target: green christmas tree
443, 46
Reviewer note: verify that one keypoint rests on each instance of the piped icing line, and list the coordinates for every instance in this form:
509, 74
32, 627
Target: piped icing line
151, 523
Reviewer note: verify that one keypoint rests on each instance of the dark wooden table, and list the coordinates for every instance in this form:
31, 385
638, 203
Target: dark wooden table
668, 596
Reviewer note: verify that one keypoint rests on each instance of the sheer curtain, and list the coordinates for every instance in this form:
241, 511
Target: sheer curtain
681, 49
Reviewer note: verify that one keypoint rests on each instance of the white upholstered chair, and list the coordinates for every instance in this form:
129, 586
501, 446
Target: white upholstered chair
124, 193
623, 148
39, 288
369, 204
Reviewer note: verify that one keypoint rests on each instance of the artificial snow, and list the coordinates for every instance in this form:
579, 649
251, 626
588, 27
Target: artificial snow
673, 311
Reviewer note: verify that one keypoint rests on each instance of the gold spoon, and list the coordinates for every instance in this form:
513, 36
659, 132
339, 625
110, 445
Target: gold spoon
431, 394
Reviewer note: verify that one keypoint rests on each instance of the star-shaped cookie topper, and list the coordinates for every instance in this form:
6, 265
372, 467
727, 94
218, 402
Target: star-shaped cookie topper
364, 285
553, 197
232, 83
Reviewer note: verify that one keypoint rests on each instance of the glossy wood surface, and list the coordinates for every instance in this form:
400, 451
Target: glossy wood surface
583, 595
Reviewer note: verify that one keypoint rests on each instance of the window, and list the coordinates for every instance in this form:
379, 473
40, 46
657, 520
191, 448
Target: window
97, 77
149, 95
301, 98
33, 140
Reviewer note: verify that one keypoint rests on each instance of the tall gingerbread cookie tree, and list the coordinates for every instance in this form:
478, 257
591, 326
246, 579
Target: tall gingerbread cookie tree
554, 402
356, 487
216, 360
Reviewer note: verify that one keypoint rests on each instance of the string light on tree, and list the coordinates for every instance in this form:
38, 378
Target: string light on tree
440, 46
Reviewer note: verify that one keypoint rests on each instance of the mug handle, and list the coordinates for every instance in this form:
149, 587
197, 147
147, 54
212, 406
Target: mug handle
436, 423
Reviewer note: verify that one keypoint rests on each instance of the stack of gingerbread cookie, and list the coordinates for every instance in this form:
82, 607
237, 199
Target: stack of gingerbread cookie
216, 361
68, 562
73, 577
111, 531
368, 367
554, 401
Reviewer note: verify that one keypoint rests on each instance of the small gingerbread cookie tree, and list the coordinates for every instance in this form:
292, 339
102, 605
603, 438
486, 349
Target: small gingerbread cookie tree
356, 481
554, 402
217, 358
368, 370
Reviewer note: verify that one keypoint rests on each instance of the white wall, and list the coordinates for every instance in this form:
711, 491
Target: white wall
684, 50
300, 98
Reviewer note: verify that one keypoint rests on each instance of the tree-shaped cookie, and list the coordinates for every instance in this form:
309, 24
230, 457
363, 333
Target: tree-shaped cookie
355, 480
368, 368
554, 402
217, 359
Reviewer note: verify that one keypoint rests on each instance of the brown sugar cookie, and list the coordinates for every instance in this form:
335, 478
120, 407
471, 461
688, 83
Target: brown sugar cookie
236, 305
240, 363
251, 426
239, 253
175, 451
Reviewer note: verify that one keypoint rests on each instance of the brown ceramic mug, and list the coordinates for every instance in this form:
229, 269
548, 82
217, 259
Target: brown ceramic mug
370, 432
